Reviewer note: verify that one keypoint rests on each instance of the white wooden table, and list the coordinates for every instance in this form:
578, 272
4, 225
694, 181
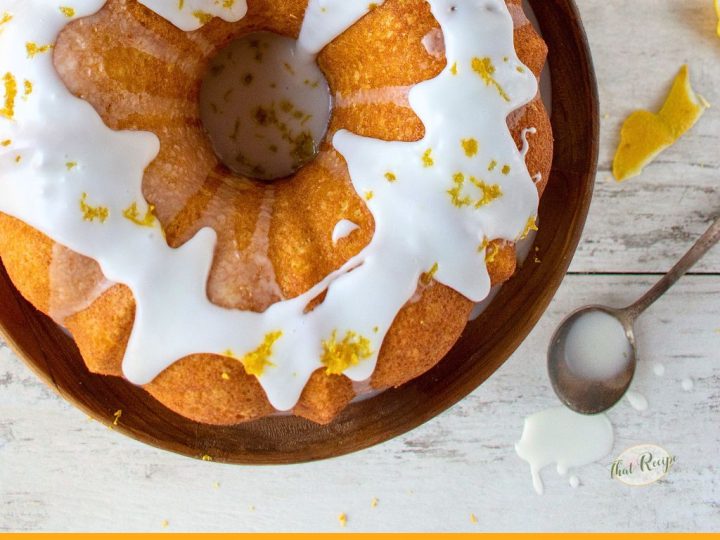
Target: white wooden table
60, 471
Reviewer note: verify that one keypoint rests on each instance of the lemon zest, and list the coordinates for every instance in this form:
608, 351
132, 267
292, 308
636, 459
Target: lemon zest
33, 49
8, 110
91, 213
470, 146
255, 362
337, 356
486, 69
132, 213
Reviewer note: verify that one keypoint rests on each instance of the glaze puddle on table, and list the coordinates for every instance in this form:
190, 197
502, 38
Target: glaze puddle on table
566, 438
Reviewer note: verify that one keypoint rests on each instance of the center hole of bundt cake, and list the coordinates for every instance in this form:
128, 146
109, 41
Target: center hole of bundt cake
265, 106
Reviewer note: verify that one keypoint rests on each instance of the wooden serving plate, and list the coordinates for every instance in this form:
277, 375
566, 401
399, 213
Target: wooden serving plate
484, 346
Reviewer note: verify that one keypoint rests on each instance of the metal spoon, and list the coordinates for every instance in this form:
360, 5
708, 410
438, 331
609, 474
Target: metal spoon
593, 397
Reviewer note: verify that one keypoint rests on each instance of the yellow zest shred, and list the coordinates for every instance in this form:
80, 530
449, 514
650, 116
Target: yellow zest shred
531, 226
390, 177
67, 11
337, 356
492, 253
470, 146
486, 69
717, 11
28, 86
427, 158
117, 414
491, 192
6, 142
207, 457
132, 213
369, 195
645, 135
70, 165
6, 18
456, 196
484, 245
256, 361
91, 213
342, 518
8, 111
428, 276
506, 170
492, 166
460, 199
454, 69
181, 4
202, 16
33, 49
225, 376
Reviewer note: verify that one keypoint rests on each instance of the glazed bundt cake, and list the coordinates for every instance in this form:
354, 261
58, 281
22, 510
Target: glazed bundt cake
232, 284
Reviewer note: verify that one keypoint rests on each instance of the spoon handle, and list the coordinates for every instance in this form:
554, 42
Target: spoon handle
697, 252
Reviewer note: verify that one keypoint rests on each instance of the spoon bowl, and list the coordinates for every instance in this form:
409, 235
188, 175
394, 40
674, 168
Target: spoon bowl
591, 365
595, 383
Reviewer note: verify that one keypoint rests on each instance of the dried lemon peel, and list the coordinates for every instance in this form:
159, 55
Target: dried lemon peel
645, 135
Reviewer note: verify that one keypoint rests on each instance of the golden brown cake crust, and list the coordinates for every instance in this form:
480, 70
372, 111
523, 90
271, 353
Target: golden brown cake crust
155, 88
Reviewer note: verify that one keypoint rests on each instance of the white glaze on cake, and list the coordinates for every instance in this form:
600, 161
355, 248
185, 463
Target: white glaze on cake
66, 174
192, 14
343, 229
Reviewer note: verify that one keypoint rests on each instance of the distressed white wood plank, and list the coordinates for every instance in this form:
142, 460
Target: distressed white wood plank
60, 471
644, 224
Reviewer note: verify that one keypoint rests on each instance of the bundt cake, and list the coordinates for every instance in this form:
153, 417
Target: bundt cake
235, 275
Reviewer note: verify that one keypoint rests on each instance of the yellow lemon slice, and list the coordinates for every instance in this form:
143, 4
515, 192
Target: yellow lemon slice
644, 134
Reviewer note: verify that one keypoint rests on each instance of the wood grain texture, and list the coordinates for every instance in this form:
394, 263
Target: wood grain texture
59, 471
645, 224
